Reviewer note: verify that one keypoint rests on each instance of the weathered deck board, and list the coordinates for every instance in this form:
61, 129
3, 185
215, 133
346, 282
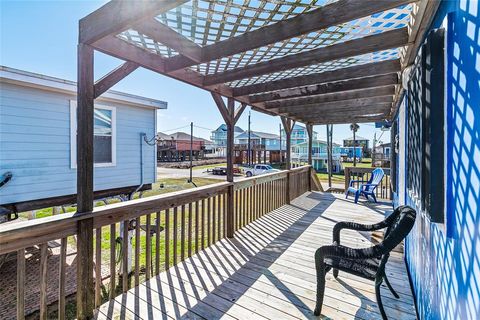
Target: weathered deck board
267, 272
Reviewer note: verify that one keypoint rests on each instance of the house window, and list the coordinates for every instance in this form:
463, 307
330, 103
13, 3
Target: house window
104, 135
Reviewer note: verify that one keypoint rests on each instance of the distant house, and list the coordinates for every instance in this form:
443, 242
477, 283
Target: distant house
319, 155
299, 134
263, 140
176, 147
381, 155
362, 142
219, 138
38, 141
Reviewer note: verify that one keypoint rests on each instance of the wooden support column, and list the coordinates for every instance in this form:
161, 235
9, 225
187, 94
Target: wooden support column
85, 100
288, 127
230, 116
310, 150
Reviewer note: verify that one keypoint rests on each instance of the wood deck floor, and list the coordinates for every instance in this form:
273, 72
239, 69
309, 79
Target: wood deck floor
267, 272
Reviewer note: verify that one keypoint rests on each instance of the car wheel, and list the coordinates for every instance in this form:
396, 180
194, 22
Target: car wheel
249, 174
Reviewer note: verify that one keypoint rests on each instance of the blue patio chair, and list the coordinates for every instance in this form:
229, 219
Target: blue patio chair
367, 189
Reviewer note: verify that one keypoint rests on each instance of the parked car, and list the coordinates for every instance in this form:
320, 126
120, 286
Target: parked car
259, 169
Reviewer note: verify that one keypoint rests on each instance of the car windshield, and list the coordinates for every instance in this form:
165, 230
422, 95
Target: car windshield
268, 167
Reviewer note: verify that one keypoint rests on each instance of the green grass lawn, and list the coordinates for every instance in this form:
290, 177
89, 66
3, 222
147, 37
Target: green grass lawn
340, 178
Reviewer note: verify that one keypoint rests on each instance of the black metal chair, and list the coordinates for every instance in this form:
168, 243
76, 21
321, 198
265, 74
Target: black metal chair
368, 263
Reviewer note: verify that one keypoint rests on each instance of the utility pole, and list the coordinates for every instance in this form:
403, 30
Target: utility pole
280, 147
191, 151
249, 148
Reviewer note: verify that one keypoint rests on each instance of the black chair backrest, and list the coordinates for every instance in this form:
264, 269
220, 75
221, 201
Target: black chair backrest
400, 223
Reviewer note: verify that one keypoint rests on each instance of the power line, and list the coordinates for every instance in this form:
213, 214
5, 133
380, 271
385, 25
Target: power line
176, 128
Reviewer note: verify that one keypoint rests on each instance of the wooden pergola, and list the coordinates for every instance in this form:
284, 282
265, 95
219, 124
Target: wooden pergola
316, 62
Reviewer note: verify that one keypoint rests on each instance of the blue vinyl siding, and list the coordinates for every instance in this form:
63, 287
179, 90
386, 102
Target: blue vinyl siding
444, 259
35, 145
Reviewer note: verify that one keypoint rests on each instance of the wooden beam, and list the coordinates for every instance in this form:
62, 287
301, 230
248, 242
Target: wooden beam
322, 121
328, 106
321, 18
332, 97
172, 39
109, 80
85, 102
349, 111
339, 86
126, 51
117, 16
239, 111
373, 43
364, 70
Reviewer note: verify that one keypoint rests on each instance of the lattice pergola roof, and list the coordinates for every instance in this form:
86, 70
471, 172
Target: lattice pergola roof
318, 62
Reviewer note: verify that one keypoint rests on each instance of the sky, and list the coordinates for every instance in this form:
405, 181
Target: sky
41, 37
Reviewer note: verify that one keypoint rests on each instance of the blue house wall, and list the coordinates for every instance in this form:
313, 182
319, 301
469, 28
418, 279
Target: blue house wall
35, 144
444, 259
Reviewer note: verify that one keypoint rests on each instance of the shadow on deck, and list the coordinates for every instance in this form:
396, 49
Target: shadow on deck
267, 272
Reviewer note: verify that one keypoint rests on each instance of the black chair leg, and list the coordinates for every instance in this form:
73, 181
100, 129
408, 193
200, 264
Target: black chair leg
379, 301
390, 287
335, 273
320, 266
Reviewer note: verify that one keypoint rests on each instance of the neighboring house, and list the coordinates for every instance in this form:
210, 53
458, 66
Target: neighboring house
299, 134
219, 138
361, 142
260, 140
38, 140
176, 147
319, 155
381, 155
347, 153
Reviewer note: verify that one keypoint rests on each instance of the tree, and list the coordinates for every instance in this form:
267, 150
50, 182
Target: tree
354, 127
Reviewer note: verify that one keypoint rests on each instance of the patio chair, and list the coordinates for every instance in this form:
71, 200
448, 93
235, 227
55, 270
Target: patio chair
368, 263
367, 189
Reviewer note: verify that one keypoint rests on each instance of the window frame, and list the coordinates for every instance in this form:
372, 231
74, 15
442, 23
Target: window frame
73, 135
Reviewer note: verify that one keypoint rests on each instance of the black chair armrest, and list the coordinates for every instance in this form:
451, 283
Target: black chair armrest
355, 226
348, 253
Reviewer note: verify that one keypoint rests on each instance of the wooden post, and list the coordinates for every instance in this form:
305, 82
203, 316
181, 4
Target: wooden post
310, 150
288, 127
230, 116
329, 153
85, 100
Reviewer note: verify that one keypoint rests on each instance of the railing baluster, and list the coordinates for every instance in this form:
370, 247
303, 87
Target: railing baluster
62, 278
98, 267
125, 257
43, 280
197, 221
190, 212
112, 260
218, 223
224, 196
167, 239
21, 284
203, 221
175, 236
157, 243
214, 218
182, 233
209, 221
137, 251
148, 248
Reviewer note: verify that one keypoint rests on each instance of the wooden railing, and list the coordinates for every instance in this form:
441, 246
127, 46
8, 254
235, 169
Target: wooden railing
165, 229
363, 175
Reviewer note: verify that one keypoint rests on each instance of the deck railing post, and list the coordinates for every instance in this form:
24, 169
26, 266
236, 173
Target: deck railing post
230, 116
347, 178
288, 127
310, 150
85, 102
